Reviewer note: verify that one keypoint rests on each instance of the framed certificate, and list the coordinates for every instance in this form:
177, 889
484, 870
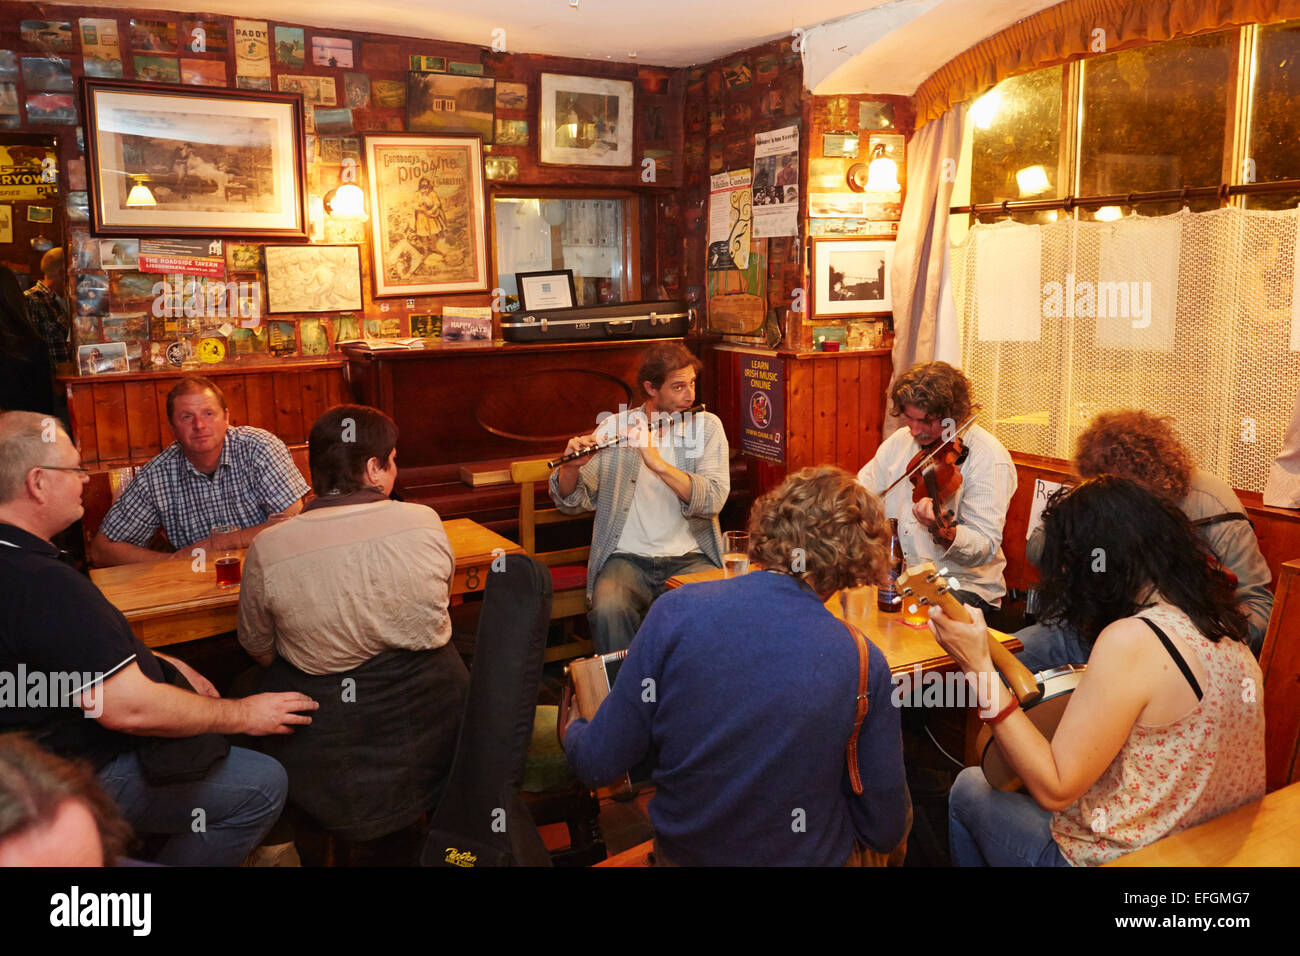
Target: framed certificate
546, 290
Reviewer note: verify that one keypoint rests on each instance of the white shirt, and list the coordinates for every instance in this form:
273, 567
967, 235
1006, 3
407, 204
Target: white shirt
655, 526
988, 482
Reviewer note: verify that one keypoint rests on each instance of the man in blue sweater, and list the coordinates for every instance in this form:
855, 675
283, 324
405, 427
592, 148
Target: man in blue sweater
744, 691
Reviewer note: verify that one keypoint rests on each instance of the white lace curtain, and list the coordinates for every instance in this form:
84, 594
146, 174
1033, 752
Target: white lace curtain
1194, 315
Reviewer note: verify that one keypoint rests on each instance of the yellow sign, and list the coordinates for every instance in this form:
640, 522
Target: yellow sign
212, 351
460, 857
28, 172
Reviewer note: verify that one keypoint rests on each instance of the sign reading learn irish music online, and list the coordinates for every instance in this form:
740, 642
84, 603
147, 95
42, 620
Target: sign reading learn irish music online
762, 394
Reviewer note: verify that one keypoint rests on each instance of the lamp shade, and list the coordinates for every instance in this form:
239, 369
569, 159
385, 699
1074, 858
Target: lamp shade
346, 202
140, 196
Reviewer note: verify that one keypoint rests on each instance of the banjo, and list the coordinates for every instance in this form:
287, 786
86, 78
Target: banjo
1043, 697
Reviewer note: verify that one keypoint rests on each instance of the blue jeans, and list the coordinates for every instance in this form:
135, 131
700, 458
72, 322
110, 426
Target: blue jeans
988, 827
1048, 646
241, 798
626, 587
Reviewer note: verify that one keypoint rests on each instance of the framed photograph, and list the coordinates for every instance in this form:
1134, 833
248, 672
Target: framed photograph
102, 357
428, 230
851, 276
216, 163
312, 279
444, 103
586, 121
546, 290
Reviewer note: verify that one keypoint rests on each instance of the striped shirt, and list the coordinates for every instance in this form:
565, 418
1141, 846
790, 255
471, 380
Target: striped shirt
988, 482
255, 478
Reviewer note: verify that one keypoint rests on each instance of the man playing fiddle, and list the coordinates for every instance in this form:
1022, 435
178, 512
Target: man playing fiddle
963, 532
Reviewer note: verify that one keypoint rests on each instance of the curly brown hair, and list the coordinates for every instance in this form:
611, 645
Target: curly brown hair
838, 525
934, 387
1138, 445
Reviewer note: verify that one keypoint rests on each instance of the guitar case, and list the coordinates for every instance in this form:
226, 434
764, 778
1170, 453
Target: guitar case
481, 819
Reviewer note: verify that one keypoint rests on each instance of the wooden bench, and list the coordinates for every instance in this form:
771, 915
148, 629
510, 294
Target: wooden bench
1263, 833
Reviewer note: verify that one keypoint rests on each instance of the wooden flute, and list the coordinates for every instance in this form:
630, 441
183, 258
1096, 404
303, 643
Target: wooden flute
671, 419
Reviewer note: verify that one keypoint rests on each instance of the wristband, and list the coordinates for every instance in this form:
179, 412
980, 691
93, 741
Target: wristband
1001, 715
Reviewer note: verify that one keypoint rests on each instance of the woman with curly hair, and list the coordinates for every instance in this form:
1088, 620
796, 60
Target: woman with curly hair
1144, 447
745, 692
1159, 735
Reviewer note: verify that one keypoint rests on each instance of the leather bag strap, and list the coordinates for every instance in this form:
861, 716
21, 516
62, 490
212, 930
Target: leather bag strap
864, 664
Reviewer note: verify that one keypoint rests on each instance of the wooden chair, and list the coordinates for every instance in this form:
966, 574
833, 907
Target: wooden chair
568, 567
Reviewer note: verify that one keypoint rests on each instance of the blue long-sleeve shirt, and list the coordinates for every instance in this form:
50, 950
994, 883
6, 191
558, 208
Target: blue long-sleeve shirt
745, 689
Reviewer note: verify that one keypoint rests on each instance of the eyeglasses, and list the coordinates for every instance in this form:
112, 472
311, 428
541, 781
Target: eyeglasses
84, 471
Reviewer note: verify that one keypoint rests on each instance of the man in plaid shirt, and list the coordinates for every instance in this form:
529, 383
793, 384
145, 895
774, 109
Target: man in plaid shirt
213, 474
48, 312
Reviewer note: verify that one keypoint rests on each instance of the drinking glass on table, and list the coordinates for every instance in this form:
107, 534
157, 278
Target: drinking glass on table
735, 553
223, 545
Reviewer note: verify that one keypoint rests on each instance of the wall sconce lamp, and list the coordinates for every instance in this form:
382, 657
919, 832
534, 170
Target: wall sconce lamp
346, 202
140, 195
880, 177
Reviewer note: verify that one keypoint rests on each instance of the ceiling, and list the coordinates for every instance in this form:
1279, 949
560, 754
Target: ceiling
877, 46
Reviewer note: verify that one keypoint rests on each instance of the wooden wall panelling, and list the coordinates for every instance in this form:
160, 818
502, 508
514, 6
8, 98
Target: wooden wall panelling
160, 390
799, 413
141, 419
260, 393
873, 381
81, 411
288, 407
847, 414
315, 399
1280, 662
110, 422
236, 399
823, 398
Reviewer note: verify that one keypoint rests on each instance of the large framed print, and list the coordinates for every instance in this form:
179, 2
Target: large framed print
585, 121
312, 278
851, 276
216, 162
428, 214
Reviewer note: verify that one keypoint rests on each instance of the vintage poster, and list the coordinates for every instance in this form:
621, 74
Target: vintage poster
443, 103
290, 47
426, 197
312, 279
776, 183
28, 172
252, 48
101, 51
203, 36
730, 220
762, 402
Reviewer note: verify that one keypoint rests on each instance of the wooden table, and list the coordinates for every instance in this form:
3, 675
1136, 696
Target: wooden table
904, 646
1263, 833
168, 602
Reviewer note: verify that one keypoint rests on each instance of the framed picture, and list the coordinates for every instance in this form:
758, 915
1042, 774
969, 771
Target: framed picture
214, 162
428, 227
586, 121
546, 290
851, 276
444, 103
102, 357
312, 279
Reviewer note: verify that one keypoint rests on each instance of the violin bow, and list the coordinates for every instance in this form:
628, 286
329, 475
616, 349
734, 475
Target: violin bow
930, 455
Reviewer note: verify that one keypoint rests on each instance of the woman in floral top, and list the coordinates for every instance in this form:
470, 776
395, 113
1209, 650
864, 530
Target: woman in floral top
1166, 727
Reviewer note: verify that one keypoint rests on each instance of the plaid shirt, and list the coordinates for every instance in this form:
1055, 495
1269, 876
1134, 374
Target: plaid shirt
255, 478
50, 318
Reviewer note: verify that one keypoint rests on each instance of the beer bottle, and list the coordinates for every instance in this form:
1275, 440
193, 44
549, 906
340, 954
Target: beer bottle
887, 597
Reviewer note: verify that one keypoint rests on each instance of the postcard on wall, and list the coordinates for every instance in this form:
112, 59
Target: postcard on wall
388, 94
51, 36
356, 90
426, 325
8, 65
331, 51
119, 253
203, 36
315, 90
101, 51
282, 338
9, 100
6, 224
312, 278
730, 220
47, 73
290, 47
443, 103
153, 36
252, 49
315, 341
776, 183
502, 168
512, 133
78, 206
102, 357
512, 96
876, 116
203, 72
56, 109
157, 69
428, 64
332, 121
346, 328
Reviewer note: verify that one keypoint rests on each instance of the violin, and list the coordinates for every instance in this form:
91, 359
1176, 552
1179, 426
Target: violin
935, 474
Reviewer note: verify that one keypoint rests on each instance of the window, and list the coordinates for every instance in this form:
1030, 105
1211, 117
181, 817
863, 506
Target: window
592, 235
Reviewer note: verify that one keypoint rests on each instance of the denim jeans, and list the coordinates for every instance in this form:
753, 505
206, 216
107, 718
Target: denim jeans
625, 589
988, 827
241, 797
1048, 646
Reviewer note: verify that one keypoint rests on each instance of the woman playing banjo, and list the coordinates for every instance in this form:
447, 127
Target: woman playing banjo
1166, 727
